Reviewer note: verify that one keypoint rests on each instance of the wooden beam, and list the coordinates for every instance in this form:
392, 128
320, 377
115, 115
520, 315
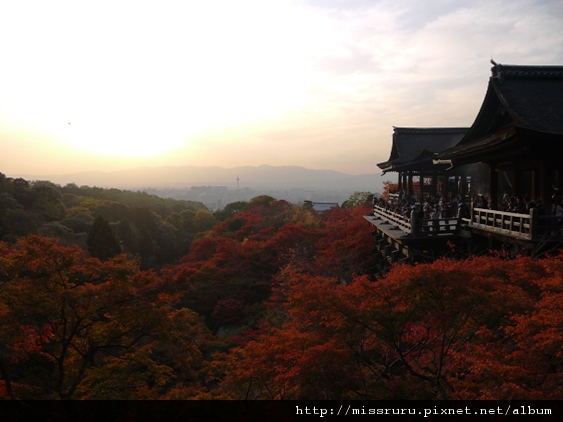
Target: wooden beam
493, 186
546, 184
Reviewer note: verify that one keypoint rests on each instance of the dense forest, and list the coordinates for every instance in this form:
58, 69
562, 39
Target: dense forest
109, 294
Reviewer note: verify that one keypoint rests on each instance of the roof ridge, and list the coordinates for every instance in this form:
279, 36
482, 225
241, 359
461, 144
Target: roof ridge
501, 71
430, 129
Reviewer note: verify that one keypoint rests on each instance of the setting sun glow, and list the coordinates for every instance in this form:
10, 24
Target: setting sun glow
113, 84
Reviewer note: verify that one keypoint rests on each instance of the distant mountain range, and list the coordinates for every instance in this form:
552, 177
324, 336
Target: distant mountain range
261, 177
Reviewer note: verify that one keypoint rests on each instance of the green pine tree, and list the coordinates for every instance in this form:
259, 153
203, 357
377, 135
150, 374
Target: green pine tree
147, 248
102, 241
127, 237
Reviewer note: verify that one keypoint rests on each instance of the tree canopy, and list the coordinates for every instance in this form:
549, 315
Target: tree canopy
102, 241
268, 300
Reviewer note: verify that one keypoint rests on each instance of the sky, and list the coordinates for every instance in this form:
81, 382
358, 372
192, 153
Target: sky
109, 85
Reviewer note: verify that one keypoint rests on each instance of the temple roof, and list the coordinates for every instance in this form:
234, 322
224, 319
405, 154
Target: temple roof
528, 98
416, 146
533, 95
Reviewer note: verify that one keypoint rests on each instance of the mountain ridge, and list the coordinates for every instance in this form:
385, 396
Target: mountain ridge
275, 177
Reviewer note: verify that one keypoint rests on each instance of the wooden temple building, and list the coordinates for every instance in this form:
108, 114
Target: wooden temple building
413, 155
514, 149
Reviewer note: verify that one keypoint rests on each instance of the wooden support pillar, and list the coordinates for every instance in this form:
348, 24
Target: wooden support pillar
533, 223
414, 224
442, 181
536, 184
546, 184
493, 187
421, 178
399, 181
517, 182
410, 190
434, 184
469, 187
457, 188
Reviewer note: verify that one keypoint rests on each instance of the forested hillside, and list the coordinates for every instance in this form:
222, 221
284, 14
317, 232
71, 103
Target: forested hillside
115, 295
156, 230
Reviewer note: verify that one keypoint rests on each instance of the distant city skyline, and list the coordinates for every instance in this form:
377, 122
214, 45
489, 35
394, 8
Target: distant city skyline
110, 85
184, 177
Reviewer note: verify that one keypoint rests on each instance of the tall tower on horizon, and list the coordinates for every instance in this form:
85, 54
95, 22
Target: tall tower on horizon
237, 181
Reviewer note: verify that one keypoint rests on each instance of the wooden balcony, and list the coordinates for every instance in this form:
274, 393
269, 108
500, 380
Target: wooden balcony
527, 227
422, 228
396, 220
531, 226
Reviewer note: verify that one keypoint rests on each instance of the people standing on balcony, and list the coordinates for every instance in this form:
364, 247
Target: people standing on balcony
559, 212
427, 207
481, 202
512, 205
463, 211
520, 206
540, 206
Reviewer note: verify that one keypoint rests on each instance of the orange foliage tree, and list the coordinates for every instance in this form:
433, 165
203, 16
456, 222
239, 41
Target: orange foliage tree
481, 328
227, 275
75, 327
388, 187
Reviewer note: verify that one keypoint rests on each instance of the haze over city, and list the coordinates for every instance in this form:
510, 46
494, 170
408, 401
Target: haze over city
105, 86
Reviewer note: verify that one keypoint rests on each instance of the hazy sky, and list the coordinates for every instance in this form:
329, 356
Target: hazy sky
106, 85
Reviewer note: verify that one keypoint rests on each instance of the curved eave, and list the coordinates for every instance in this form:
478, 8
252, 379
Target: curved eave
497, 86
488, 107
424, 161
491, 141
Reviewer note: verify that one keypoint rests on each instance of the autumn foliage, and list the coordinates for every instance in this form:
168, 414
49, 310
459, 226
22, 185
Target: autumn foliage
478, 329
388, 187
274, 301
76, 327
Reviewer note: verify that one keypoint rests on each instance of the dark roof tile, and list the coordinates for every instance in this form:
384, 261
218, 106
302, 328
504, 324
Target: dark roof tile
415, 144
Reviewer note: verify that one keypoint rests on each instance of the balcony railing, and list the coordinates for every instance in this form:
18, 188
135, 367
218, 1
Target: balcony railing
395, 219
436, 227
439, 227
519, 226
512, 224
523, 226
